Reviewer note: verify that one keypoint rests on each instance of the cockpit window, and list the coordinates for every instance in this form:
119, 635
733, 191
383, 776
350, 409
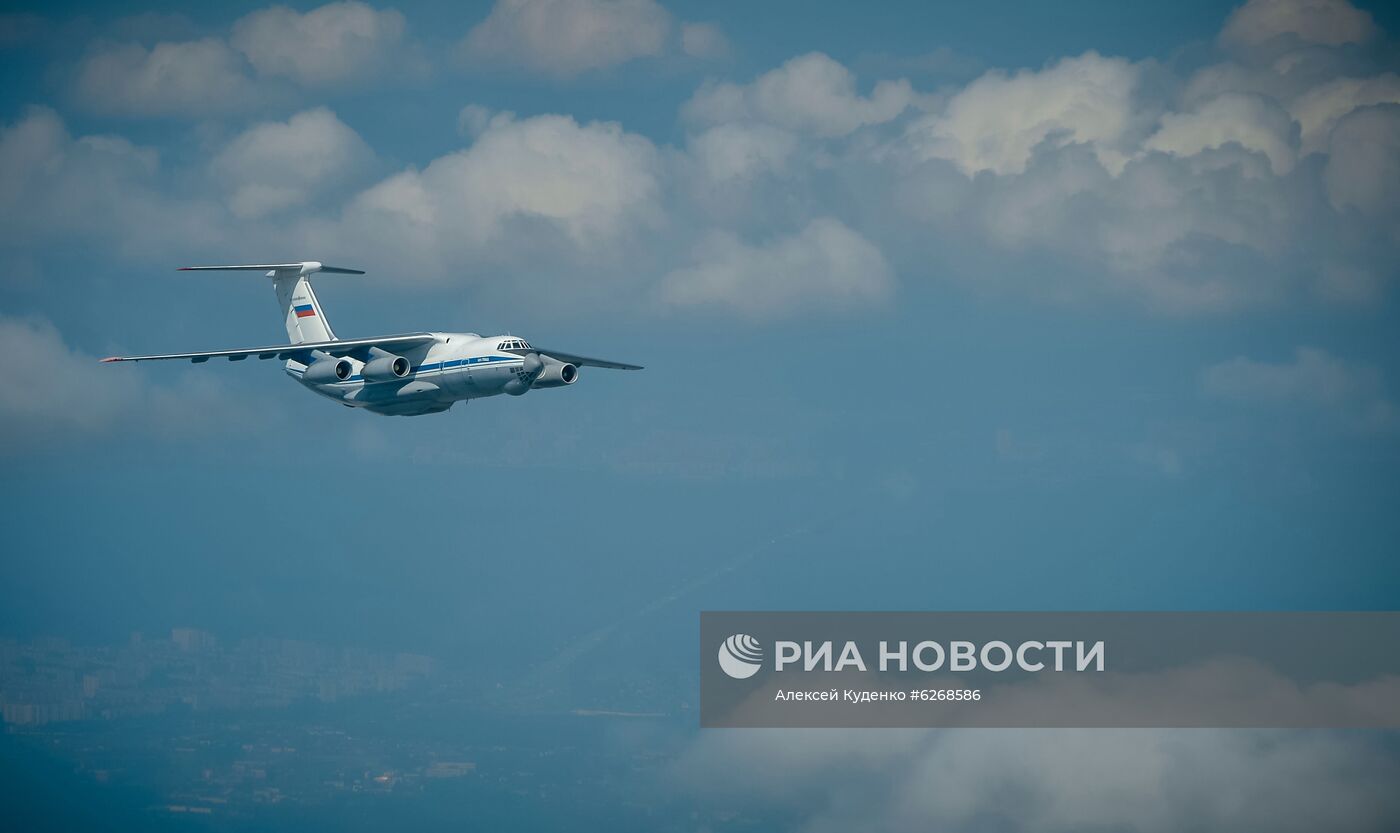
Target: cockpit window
513, 344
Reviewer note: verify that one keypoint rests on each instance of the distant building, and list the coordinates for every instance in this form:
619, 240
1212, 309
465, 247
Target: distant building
449, 769
192, 640
37, 714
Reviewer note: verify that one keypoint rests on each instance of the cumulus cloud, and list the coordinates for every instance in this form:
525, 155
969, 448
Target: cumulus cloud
810, 94
1319, 109
586, 185
741, 151
268, 49
1363, 162
1252, 122
57, 395
190, 77
1193, 201
1324, 22
1313, 379
277, 165
996, 122
1048, 780
567, 37
548, 198
330, 44
1174, 232
825, 264
703, 40
52, 390
1254, 180
57, 186
473, 119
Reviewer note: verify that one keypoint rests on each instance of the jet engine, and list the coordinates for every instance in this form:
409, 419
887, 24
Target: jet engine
386, 368
556, 374
530, 366
328, 371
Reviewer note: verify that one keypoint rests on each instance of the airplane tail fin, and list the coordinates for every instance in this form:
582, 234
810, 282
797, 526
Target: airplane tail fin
305, 319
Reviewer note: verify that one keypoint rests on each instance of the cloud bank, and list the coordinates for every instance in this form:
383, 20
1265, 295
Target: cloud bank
267, 50
1048, 780
1263, 175
566, 37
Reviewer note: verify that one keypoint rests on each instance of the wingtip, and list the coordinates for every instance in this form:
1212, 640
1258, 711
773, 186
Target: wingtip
110, 359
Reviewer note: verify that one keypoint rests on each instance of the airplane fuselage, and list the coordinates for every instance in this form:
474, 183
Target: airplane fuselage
454, 367
399, 375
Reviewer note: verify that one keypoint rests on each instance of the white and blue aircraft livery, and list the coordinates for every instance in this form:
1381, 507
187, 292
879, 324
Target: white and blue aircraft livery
401, 375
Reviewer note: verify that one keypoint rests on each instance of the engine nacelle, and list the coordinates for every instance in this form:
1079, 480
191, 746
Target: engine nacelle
556, 374
328, 371
520, 385
386, 368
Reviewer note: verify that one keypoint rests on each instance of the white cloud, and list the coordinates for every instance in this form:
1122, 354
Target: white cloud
1313, 379
810, 94
54, 186
1319, 109
740, 152
995, 122
590, 184
703, 40
1253, 122
826, 264
191, 77
472, 120
57, 395
331, 44
1325, 22
267, 50
51, 390
1363, 163
567, 37
1171, 232
1048, 780
1091, 177
1192, 202
277, 165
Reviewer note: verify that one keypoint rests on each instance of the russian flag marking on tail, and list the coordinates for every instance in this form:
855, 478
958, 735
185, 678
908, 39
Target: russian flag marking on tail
305, 311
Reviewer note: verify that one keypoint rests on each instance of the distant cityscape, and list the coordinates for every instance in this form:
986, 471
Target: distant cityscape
48, 680
198, 727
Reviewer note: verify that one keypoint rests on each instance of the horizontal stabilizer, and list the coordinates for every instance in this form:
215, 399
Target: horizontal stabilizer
305, 267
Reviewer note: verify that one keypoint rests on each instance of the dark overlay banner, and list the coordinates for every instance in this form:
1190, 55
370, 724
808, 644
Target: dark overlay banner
1054, 669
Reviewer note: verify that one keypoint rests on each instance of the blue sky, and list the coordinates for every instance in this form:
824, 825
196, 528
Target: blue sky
1088, 306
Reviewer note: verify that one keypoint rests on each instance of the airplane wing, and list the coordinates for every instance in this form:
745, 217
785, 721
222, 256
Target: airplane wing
300, 352
584, 361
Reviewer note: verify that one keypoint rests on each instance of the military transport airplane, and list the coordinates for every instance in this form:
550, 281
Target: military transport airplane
402, 375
